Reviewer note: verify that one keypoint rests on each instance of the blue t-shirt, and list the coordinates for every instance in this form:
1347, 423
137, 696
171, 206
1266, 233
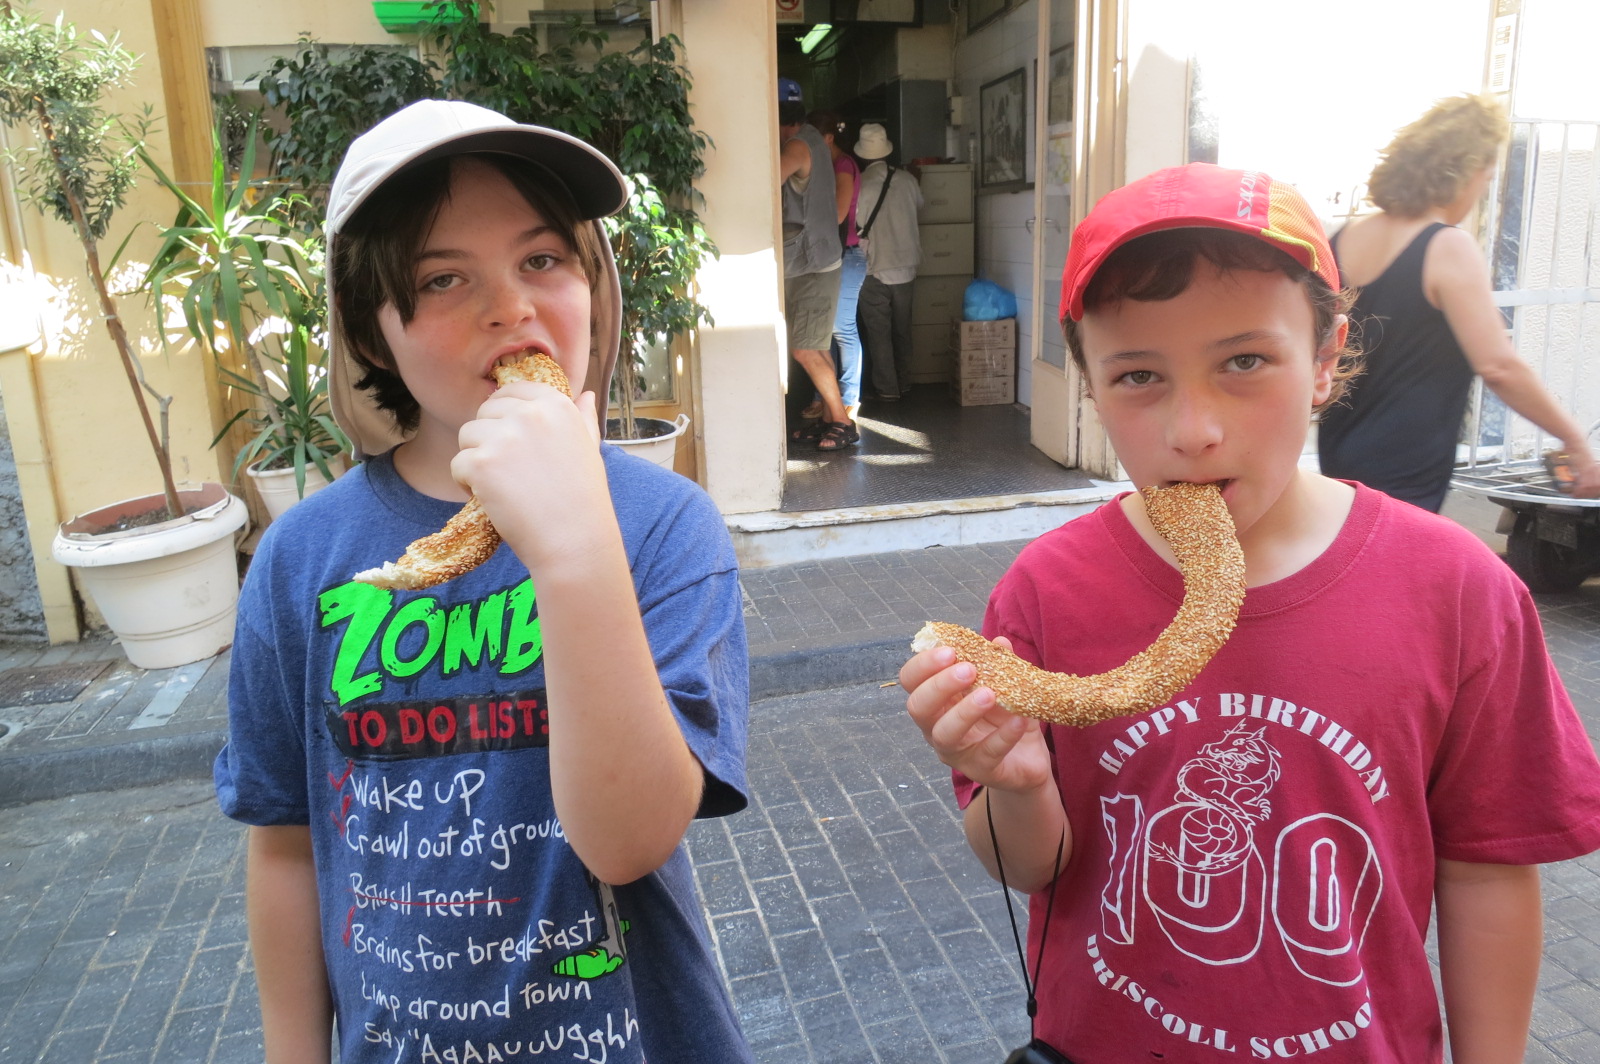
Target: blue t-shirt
408, 729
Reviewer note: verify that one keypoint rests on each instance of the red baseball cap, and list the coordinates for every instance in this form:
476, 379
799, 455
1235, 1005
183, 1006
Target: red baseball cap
1203, 196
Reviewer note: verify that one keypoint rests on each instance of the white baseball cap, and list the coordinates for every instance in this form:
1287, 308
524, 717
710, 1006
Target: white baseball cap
435, 129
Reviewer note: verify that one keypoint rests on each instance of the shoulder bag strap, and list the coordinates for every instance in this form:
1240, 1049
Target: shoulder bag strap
861, 230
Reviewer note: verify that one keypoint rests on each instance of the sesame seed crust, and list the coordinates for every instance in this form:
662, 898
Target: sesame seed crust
1195, 522
467, 539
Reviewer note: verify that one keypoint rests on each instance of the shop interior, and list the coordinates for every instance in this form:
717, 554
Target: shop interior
952, 436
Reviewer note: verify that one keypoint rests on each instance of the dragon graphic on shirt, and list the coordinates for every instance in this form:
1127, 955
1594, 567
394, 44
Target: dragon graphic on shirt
1226, 785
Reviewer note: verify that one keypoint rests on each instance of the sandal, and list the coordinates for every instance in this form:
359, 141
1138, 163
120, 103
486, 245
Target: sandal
808, 432
838, 435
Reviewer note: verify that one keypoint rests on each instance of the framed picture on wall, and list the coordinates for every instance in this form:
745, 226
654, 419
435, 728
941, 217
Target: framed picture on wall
981, 11
1003, 133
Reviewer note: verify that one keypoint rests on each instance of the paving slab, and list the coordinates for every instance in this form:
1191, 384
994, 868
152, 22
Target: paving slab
848, 917
809, 626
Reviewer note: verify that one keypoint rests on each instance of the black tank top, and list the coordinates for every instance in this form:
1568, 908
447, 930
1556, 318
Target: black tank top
1397, 427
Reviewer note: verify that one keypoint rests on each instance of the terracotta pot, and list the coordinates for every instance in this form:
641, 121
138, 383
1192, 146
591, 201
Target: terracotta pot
169, 591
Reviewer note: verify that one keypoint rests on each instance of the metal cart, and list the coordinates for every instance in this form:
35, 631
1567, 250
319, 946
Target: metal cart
1552, 539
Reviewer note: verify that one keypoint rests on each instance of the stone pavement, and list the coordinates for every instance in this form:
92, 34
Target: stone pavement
850, 919
810, 626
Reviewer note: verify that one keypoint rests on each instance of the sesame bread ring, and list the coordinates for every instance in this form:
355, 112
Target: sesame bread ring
468, 538
1197, 526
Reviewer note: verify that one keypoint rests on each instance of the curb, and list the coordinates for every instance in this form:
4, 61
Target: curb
36, 776
46, 774
804, 669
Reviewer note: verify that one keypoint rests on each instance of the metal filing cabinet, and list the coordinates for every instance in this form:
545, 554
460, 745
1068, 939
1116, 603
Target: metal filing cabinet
945, 226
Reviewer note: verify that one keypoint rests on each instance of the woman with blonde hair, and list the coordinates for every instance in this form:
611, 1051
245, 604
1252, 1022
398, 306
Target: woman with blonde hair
1427, 317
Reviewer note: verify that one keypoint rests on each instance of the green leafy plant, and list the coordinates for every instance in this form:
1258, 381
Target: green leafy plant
292, 418
241, 272
81, 165
658, 250
634, 106
329, 99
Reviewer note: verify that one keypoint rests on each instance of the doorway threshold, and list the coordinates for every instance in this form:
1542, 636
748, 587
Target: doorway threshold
778, 537
927, 472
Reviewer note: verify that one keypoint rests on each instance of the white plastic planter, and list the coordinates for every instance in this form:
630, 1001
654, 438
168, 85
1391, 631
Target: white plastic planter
276, 486
658, 449
168, 591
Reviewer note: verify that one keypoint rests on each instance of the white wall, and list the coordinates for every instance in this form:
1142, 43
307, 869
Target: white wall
1005, 246
1554, 83
1318, 119
1555, 71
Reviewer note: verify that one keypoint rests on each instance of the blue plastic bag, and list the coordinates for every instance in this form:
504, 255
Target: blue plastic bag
987, 301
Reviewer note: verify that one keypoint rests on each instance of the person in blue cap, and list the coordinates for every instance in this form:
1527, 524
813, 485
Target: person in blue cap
812, 255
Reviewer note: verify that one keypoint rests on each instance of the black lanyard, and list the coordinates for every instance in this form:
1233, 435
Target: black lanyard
1032, 985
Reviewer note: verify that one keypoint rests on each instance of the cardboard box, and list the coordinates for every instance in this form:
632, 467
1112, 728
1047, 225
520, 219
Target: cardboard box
932, 359
987, 362
985, 391
1002, 333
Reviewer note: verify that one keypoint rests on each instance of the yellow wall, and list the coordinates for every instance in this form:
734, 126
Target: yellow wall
730, 46
229, 23
92, 448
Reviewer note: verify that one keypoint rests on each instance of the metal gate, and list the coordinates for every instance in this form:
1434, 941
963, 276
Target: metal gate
1544, 254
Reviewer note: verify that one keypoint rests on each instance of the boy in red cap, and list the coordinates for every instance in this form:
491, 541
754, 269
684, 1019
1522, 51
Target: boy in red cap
1247, 872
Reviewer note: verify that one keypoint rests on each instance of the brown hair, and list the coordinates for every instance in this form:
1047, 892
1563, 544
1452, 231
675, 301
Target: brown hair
375, 257
1428, 161
1160, 266
829, 124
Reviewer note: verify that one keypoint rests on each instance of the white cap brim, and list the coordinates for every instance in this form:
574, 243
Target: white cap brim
434, 129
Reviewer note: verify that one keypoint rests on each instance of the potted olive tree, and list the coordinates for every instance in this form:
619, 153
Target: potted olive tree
160, 568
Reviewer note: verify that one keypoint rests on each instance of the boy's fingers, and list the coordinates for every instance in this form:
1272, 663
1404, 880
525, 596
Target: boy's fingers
921, 666
937, 692
591, 420
994, 747
967, 723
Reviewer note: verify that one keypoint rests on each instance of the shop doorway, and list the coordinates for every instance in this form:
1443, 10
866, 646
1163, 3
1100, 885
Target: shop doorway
964, 427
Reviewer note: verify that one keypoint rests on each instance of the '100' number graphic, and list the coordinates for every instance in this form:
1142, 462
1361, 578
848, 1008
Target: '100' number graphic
1199, 867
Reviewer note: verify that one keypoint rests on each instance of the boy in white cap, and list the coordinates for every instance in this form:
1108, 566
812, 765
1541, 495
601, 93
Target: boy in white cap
886, 216
467, 804
1248, 871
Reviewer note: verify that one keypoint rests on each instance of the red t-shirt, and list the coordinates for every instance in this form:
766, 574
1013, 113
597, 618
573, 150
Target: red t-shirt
1252, 867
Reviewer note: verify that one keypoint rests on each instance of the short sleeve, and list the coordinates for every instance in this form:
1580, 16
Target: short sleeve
260, 774
1515, 778
689, 597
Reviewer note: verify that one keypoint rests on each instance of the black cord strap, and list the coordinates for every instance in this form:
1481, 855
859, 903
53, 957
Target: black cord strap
863, 230
1031, 985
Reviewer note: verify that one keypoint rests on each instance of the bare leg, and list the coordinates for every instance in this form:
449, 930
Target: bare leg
819, 367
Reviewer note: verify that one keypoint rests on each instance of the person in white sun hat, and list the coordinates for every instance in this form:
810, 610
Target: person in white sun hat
886, 216
467, 804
